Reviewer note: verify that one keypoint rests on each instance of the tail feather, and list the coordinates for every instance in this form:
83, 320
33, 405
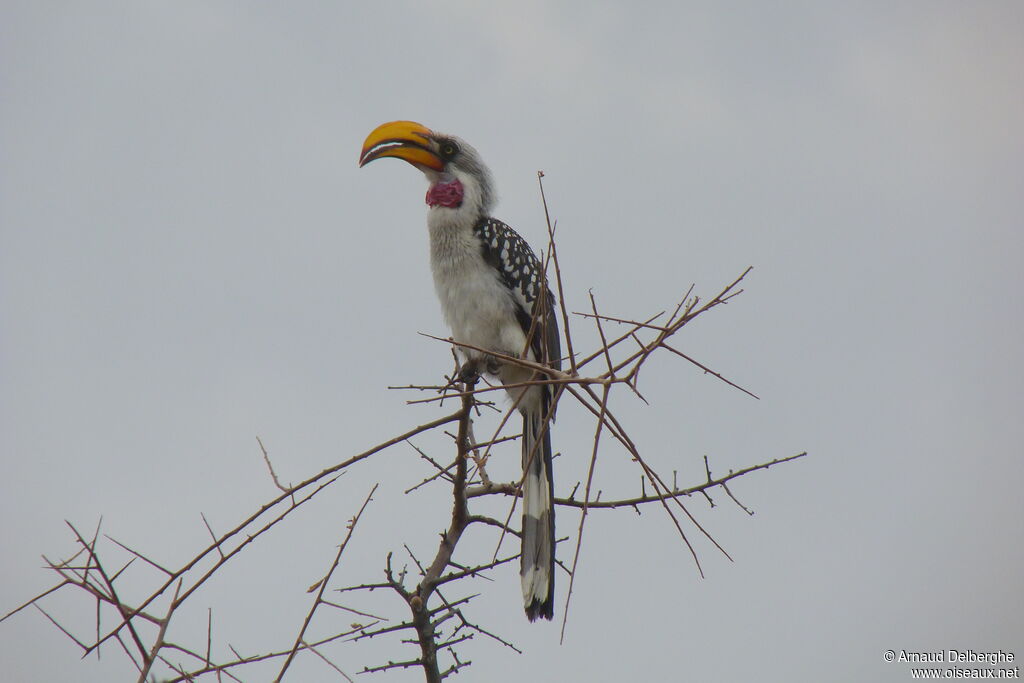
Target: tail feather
537, 562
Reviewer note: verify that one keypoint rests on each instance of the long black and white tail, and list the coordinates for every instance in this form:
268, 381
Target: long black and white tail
537, 563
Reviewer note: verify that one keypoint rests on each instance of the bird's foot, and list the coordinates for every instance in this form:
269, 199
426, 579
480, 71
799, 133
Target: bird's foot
469, 373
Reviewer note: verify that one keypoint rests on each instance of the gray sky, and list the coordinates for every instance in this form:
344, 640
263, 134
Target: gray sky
189, 258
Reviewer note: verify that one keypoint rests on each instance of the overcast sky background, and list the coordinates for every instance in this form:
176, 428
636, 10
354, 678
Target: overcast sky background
189, 258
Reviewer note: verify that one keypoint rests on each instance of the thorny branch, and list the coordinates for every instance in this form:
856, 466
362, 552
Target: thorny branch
438, 621
321, 586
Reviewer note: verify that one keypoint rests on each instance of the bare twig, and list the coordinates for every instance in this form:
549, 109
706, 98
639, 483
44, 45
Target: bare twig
323, 583
273, 474
440, 624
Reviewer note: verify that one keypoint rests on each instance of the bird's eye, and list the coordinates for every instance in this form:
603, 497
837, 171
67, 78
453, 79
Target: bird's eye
448, 149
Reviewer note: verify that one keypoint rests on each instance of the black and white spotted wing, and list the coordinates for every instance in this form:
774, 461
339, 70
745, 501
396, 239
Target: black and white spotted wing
521, 272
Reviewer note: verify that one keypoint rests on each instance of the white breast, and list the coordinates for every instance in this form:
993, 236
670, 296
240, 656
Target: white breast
477, 305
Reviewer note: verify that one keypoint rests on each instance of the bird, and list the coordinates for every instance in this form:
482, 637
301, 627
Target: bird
494, 296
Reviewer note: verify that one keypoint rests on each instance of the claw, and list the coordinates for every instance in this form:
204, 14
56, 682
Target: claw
469, 374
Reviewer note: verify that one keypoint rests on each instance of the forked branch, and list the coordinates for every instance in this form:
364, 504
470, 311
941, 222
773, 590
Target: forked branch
435, 608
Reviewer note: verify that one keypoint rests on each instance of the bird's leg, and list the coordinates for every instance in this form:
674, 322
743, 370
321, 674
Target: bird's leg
469, 373
493, 365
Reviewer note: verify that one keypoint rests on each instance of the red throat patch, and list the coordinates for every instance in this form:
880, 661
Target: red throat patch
445, 194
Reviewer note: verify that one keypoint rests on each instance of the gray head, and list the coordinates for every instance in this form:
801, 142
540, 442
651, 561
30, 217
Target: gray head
459, 179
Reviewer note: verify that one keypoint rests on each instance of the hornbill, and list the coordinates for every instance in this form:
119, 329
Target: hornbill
495, 297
